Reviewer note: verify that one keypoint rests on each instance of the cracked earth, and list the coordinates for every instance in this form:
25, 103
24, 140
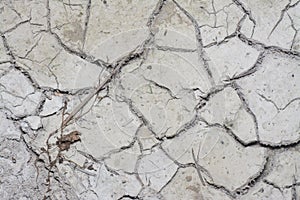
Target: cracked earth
150, 99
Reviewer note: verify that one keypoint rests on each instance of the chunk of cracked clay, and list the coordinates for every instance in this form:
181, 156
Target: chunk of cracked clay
227, 109
186, 185
133, 17
34, 122
16, 84
174, 29
155, 169
124, 160
159, 92
223, 157
275, 98
114, 186
51, 105
227, 64
286, 168
7, 128
109, 127
233, 158
272, 30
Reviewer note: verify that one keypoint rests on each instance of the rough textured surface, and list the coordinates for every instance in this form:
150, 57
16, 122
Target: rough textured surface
150, 99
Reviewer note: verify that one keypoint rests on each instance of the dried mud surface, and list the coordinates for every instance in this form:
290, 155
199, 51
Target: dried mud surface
150, 99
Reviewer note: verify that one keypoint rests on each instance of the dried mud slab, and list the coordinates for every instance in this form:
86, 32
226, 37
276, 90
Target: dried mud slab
150, 100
